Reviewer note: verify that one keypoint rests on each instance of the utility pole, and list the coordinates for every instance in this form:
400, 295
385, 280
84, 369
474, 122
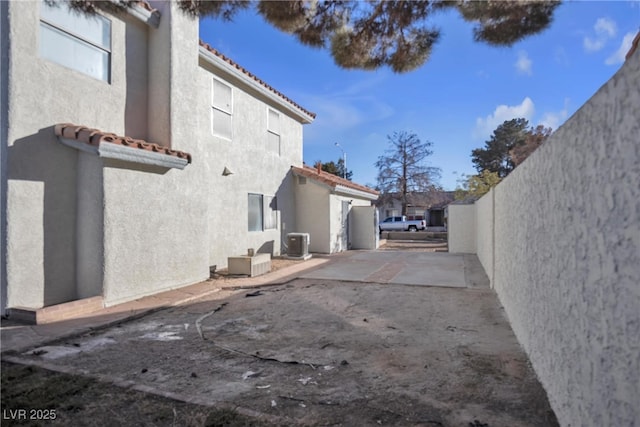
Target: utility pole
344, 160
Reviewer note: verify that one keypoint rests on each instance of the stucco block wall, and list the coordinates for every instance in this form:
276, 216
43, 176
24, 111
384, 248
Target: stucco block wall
563, 253
485, 232
462, 229
567, 257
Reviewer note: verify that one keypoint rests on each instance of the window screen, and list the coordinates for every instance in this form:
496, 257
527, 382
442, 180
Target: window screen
221, 109
255, 212
273, 132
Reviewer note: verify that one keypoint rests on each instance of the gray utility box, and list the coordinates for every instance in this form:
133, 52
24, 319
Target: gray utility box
250, 265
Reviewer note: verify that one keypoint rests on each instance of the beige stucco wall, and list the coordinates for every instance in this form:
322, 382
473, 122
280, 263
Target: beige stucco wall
256, 169
338, 240
43, 176
81, 226
485, 232
566, 256
155, 219
462, 228
312, 210
4, 146
364, 230
319, 213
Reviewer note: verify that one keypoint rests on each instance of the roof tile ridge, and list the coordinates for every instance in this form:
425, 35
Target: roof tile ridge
253, 76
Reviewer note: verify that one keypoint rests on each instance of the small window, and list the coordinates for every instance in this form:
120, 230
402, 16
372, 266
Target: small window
221, 109
273, 132
263, 212
255, 212
77, 41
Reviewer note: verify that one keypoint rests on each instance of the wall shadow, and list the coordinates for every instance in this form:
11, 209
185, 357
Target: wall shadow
40, 158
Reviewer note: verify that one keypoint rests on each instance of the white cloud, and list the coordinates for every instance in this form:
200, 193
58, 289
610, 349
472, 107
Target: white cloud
553, 120
605, 29
344, 109
485, 126
618, 56
524, 64
606, 26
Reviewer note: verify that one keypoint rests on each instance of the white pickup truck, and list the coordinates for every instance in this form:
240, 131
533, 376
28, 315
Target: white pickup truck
400, 223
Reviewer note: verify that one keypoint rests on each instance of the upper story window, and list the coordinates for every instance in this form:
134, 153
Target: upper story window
221, 109
273, 132
75, 40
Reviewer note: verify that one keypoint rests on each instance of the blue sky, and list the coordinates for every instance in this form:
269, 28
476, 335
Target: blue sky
455, 100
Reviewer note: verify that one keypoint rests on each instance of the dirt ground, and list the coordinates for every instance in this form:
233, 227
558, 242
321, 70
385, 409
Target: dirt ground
33, 396
326, 353
305, 352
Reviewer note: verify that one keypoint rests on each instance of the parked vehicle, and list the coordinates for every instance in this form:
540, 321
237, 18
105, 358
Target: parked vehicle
400, 223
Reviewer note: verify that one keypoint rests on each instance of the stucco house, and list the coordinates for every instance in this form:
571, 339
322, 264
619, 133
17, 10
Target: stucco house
338, 214
134, 156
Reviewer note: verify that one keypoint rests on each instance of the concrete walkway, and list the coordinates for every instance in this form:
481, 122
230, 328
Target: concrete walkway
405, 268
19, 336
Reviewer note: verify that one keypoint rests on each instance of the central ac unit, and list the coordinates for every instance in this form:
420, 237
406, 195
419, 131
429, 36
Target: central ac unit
298, 245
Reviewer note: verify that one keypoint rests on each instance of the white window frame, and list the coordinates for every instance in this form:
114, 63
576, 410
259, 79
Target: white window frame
226, 110
273, 131
78, 39
268, 217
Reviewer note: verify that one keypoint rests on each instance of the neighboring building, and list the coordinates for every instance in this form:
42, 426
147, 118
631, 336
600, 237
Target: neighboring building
336, 212
134, 158
428, 206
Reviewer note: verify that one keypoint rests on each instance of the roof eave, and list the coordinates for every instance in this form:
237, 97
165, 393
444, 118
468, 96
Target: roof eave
128, 154
356, 193
220, 64
151, 18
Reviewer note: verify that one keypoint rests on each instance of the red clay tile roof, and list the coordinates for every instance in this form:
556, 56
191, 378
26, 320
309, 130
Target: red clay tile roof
95, 137
254, 77
146, 5
634, 46
330, 179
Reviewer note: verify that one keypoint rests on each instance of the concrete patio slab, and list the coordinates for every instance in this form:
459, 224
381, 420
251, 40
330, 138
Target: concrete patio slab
402, 268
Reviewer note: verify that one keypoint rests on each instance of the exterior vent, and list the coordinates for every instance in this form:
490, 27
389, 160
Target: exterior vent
298, 245
302, 180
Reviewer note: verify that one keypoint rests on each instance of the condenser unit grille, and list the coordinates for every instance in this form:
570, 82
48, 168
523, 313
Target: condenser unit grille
298, 244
